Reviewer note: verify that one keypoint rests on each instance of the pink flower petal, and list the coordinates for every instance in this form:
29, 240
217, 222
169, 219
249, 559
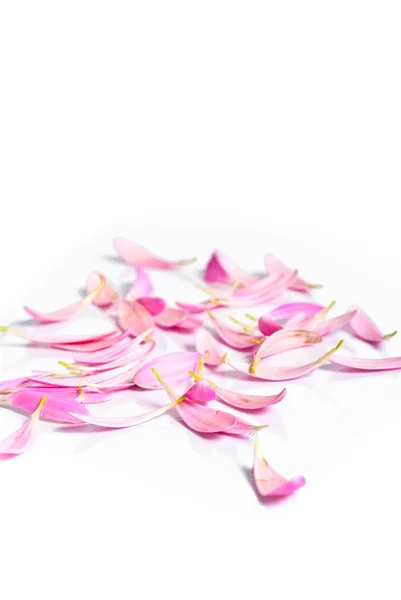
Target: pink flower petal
11, 384
262, 291
197, 309
128, 421
284, 340
64, 314
203, 419
170, 317
299, 321
137, 256
189, 323
86, 343
330, 325
291, 309
107, 295
210, 349
368, 364
268, 325
222, 269
22, 439
265, 371
201, 392
233, 337
247, 401
363, 327
153, 305
116, 378
268, 482
173, 367
57, 407
134, 317
274, 266
141, 287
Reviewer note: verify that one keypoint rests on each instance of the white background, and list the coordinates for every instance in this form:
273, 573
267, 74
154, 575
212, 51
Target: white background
248, 126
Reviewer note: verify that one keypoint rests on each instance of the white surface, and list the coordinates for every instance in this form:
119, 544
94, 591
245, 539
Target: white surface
251, 127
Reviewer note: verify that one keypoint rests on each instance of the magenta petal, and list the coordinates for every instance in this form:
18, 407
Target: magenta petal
268, 481
153, 305
141, 287
22, 439
108, 294
291, 309
247, 401
364, 328
203, 419
172, 367
208, 347
222, 269
268, 325
134, 317
57, 407
11, 384
201, 392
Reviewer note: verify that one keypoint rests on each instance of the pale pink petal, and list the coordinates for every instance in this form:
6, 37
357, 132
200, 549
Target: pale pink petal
141, 287
189, 323
134, 317
117, 378
138, 256
59, 403
263, 291
64, 314
108, 294
268, 325
363, 327
170, 317
87, 342
197, 309
128, 421
233, 337
118, 350
330, 325
284, 340
299, 321
172, 367
265, 371
242, 427
22, 439
222, 269
368, 364
11, 384
203, 419
247, 401
268, 482
291, 309
153, 305
210, 349
274, 266
201, 392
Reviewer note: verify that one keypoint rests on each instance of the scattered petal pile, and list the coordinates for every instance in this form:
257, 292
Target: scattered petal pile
128, 357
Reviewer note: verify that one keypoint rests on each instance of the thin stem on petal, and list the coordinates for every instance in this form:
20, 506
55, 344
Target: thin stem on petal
199, 370
168, 388
223, 359
250, 317
321, 314
388, 336
90, 297
36, 413
326, 356
245, 328
186, 261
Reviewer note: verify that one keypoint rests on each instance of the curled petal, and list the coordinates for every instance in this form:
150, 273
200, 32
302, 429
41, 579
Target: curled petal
141, 287
64, 314
274, 266
197, 309
22, 439
209, 347
247, 401
268, 325
138, 256
284, 340
270, 373
57, 407
268, 482
364, 328
107, 295
203, 419
368, 364
172, 367
134, 317
291, 309
201, 392
222, 269
153, 305
330, 325
232, 337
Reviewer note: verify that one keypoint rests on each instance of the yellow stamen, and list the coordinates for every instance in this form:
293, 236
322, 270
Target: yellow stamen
250, 317
186, 261
315, 286
73, 368
320, 315
88, 299
255, 341
326, 356
388, 336
166, 386
254, 364
195, 376
38, 409
245, 328
199, 370
223, 359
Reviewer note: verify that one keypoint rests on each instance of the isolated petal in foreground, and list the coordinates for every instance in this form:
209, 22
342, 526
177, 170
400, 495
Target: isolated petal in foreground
172, 367
267, 481
22, 439
270, 373
107, 295
138, 256
64, 314
364, 328
222, 269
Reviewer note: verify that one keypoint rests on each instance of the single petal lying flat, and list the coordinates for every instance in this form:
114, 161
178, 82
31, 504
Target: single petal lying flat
172, 367
138, 256
368, 364
21, 440
364, 328
247, 401
265, 371
64, 314
269, 482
